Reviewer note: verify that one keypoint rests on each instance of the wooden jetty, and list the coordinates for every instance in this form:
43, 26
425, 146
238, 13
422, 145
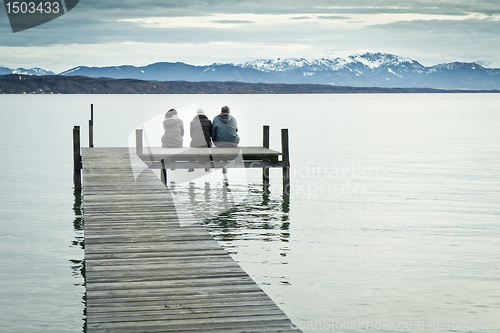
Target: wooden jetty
147, 272
219, 158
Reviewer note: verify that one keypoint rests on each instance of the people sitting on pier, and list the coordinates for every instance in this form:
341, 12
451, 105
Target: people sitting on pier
174, 130
225, 129
201, 131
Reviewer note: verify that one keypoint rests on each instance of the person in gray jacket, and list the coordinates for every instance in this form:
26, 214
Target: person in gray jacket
174, 130
225, 129
201, 131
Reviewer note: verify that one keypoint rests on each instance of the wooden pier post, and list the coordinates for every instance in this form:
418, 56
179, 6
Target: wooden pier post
138, 141
77, 159
285, 160
91, 126
265, 144
163, 173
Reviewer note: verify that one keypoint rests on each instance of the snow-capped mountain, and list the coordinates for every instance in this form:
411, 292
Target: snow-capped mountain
360, 70
23, 71
278, 65
367, 60
379, 70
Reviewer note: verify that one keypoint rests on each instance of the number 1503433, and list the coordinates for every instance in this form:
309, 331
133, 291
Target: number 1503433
30, 7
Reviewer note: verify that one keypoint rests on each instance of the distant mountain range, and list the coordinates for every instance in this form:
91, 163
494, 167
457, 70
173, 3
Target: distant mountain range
24, 71
361, 70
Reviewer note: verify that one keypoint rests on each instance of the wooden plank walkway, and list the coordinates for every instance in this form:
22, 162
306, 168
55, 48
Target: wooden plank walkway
145, 272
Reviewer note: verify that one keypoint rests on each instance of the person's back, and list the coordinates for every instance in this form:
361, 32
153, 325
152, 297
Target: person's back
225, 129
174, 130
201, 131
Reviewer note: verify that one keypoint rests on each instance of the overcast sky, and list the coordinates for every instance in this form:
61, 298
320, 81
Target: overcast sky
201, 32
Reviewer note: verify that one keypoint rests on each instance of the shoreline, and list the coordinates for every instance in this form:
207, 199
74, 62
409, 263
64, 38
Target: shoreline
14, 84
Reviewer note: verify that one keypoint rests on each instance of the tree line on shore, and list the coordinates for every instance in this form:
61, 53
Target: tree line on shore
54, 84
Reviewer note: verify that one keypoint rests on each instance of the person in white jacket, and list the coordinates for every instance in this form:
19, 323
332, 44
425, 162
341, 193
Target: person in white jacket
174, 130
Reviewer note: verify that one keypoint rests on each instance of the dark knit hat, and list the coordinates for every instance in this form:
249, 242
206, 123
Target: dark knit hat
170, 113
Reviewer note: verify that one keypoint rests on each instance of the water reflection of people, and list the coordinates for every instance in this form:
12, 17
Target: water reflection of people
174, 130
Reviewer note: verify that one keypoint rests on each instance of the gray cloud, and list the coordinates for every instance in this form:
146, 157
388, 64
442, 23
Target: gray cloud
96, 22
462, 27
301, 18
233, 21
333, 17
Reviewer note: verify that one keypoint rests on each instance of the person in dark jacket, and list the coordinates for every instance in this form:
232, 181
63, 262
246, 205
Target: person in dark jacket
201, 131
225, 129
174, 130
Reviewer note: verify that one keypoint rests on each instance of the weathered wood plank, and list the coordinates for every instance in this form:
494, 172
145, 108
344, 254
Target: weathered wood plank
251, 325
215, 151
203, 158
126, 304
145, 272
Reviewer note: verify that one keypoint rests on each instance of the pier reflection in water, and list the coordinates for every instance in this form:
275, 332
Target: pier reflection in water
78, 265
240, 216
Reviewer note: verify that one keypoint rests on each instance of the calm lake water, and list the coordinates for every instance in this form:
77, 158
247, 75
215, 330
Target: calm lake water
392, 224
